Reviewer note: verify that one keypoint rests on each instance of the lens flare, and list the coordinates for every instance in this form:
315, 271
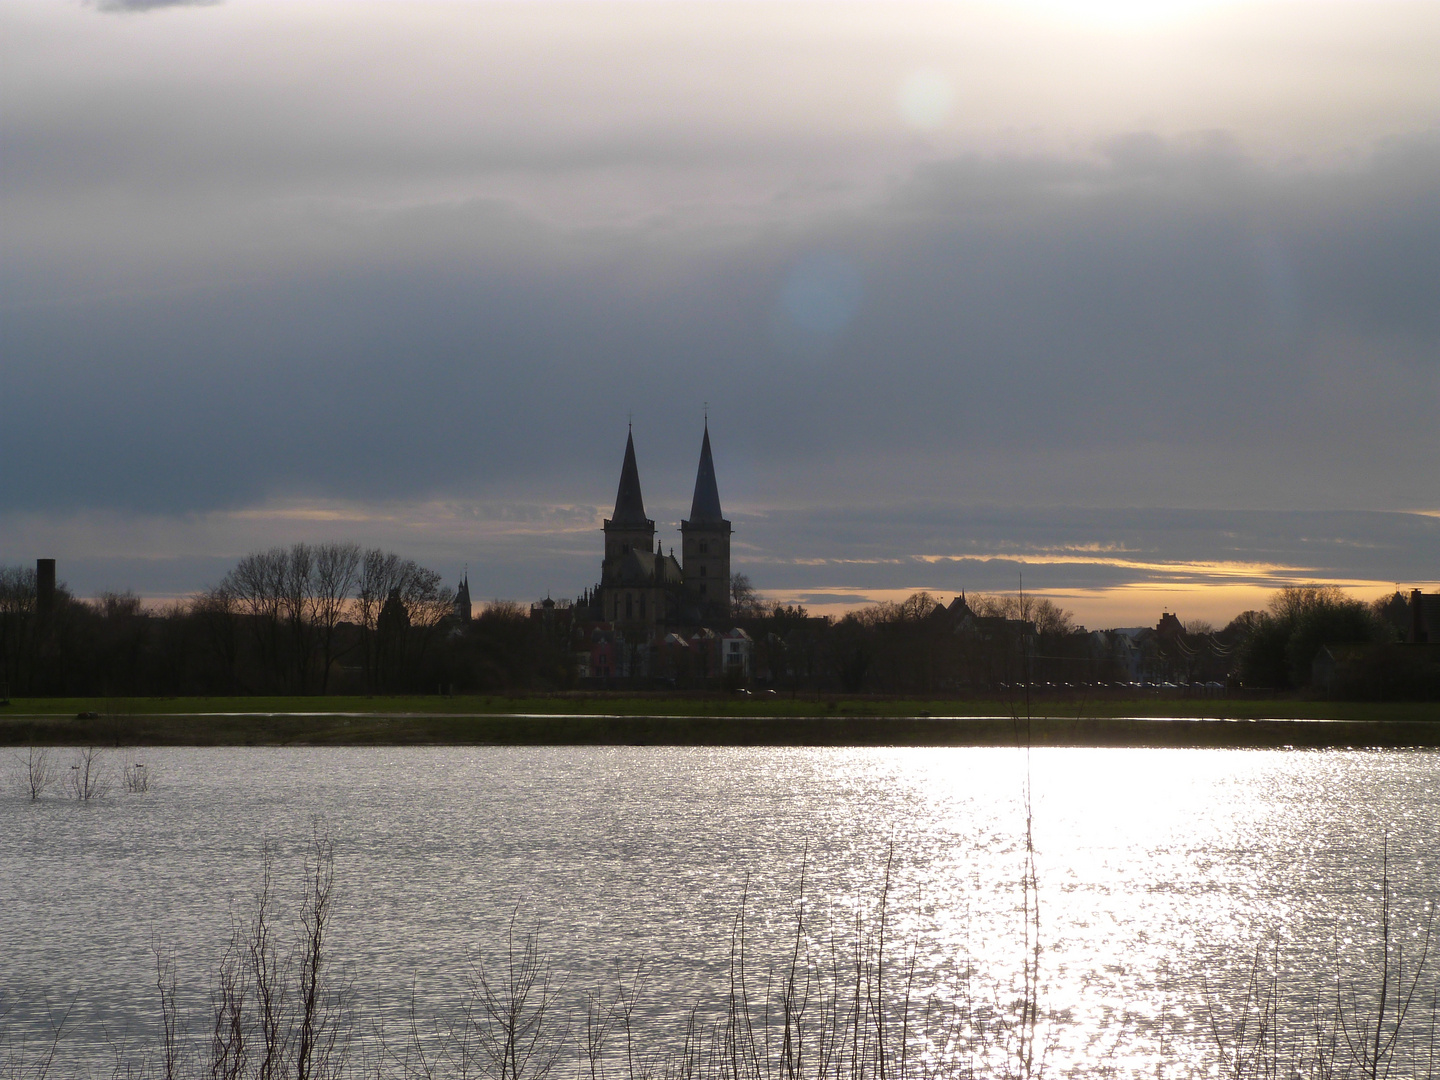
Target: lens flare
925, 99
821, 296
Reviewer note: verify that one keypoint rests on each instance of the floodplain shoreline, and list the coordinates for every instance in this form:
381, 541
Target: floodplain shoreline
670, 720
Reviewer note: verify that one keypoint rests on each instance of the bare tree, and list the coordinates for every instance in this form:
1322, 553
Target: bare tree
745, 602
229, 998
296, 599
1048, 617
337, 569
1371, 1031
215, 611
136, 777
399, 604
87, 775
426, 599
165, 983
16, 1061
917, 606
516, 1037
319, 1001
113, 605
36, 771
18, 601
268, 972
257, 585
381, 573
503, 609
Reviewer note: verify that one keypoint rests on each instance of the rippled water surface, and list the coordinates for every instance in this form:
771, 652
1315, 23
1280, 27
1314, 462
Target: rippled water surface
1160, 873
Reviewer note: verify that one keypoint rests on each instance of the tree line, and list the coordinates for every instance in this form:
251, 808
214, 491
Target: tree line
1004, 641
339, 618
293, 601
1280, 645
282, 620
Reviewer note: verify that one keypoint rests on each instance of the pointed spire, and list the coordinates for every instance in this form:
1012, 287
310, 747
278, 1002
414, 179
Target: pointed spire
705, 506
629, 506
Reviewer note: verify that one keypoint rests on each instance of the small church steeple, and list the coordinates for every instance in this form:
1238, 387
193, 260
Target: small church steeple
463, 609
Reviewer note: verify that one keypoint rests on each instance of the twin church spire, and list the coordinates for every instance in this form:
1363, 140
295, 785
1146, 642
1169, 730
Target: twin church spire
638, 582
630, 503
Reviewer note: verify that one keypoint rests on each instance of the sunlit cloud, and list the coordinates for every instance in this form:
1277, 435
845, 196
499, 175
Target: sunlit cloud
1195, 571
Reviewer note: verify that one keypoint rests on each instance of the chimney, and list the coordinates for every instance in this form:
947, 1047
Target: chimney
1417, 616
44, 584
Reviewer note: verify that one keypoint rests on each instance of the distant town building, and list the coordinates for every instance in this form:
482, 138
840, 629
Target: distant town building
1424, 617
1169, 626
737, 654
44, 584
643, 588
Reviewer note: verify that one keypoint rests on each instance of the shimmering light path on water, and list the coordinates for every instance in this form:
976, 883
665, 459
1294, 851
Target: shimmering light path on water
1160, 872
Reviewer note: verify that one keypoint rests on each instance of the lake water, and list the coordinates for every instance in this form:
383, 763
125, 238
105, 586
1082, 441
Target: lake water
1160, 873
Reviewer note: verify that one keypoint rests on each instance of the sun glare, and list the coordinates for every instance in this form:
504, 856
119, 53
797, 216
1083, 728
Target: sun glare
1119, 14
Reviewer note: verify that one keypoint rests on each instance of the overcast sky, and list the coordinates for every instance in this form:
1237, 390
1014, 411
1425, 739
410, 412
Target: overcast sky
1141, 300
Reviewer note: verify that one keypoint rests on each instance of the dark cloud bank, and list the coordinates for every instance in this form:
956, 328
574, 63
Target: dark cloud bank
1163, 325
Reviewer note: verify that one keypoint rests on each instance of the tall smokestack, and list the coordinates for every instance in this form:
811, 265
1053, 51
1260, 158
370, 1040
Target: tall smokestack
1417, 616
44, 584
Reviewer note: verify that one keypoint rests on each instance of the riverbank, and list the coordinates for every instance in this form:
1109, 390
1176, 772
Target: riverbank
600, 719
622, 703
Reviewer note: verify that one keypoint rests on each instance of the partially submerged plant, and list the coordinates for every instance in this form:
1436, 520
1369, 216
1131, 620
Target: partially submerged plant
35, 771
87, 775
136, 777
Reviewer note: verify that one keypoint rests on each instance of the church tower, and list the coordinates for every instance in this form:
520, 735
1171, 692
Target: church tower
706, 542
640, 588
629, 530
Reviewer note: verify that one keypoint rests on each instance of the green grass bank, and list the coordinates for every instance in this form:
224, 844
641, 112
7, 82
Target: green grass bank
620, 719
620, 703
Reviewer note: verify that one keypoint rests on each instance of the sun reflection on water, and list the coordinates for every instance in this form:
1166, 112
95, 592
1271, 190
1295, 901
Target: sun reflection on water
1161, 876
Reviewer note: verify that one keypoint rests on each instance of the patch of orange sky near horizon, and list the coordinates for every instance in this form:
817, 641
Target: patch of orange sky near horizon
1127, 605
1131, 604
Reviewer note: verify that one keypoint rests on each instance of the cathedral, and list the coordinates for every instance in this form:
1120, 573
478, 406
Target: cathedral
645, 589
